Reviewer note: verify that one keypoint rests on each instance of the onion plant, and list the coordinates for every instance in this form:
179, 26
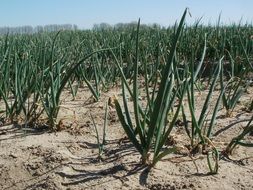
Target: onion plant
99, 143
239, 140
200, 130
235, 88
57, 83
198, 125
150, 131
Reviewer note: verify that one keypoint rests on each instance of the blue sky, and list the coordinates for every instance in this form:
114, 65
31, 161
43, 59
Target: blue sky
85, 13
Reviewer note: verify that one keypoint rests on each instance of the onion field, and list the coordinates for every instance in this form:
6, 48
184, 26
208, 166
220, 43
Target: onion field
170, 91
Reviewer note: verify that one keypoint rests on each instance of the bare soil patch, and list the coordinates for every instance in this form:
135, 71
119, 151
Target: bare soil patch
68, 159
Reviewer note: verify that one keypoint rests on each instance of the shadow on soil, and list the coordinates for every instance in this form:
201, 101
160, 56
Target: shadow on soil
19, 131
80, 172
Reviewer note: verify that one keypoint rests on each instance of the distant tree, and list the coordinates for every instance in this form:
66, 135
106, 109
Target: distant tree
102, 26
38, 29
75, 27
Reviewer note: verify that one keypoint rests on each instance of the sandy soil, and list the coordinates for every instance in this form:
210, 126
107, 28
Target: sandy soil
68, 159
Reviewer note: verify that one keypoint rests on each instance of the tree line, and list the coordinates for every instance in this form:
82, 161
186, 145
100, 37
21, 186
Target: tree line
37, 29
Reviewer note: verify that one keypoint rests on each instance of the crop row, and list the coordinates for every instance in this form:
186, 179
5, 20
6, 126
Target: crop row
35, 69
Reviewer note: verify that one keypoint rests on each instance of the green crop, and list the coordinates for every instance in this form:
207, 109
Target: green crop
151, 123
239, 140
159, 69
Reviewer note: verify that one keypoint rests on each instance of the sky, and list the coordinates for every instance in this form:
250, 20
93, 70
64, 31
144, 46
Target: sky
86, 13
